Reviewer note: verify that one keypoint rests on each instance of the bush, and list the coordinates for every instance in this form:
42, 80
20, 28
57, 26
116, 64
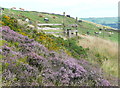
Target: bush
76, 51
11, 22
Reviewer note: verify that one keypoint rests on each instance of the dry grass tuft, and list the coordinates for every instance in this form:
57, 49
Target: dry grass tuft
104, 48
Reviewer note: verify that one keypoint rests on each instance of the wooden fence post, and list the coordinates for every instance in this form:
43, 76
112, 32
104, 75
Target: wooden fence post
76, 27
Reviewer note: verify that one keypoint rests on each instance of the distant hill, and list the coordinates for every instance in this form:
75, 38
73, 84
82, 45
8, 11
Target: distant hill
107, 21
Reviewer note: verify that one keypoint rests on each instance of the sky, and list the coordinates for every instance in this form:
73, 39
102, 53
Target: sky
74, 8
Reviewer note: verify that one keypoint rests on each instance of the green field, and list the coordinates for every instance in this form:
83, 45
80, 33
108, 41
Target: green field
38, 17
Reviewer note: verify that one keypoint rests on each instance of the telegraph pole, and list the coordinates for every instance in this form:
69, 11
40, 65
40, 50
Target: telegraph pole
76, 27
104, 31
64, 22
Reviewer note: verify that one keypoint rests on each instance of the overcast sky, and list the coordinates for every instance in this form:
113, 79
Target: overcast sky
76, 8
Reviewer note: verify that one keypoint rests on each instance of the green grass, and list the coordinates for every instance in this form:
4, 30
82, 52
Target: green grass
2, 42
83, 27
111, 67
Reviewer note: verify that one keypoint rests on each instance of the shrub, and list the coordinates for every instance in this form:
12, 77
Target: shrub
23, 64
76, 51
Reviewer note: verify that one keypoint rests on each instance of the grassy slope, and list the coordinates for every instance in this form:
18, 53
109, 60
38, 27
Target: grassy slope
83, 28
105, 50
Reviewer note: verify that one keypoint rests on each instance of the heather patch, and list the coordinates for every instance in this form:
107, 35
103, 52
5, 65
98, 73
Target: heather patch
26, 62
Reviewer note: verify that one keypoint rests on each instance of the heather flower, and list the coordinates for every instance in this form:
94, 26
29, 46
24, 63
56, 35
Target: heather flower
0, 50
71, 74
13, 58
62, 69
52, 66
5, 48
105, 83
80, 69
65, 81
77, 75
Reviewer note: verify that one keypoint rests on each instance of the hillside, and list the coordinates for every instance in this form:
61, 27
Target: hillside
83, 27
31, 57
107, 21
28, 61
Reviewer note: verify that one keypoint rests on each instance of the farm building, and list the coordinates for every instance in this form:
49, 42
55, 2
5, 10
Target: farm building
71, 30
